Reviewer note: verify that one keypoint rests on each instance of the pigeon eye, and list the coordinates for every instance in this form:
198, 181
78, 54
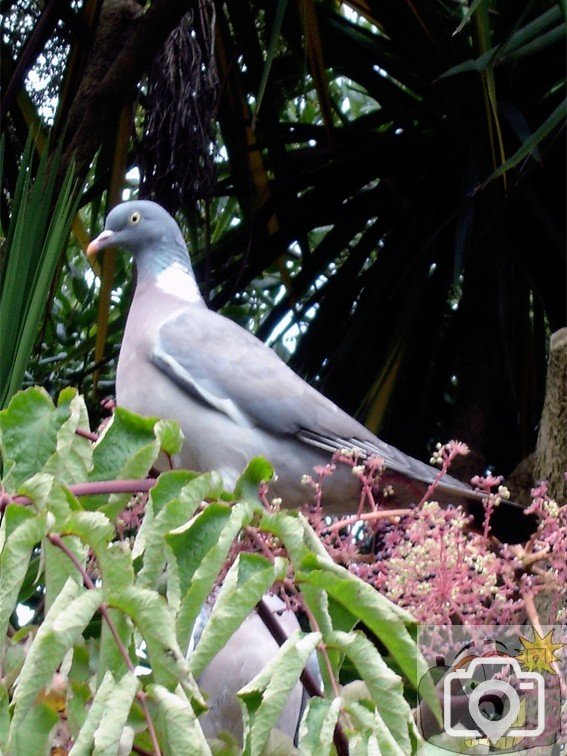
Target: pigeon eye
135, 218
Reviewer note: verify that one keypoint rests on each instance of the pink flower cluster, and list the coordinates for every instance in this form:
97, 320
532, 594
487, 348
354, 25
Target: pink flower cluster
430, 561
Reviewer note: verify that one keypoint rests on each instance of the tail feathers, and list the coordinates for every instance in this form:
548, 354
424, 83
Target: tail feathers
408, 475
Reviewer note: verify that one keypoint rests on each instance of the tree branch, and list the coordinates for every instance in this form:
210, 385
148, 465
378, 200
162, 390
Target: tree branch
125, 44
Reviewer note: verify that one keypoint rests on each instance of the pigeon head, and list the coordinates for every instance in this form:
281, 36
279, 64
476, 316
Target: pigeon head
147, 231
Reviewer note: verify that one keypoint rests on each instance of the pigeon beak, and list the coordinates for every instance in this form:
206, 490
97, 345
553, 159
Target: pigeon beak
101, 241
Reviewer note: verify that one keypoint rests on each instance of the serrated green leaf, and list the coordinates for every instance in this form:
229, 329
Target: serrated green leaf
72, 459
122, 440
15, 655
34, 736
156, 622
248, 579
93, 528
117, 574
127, 448
58, 568
70, 613
388, 622
257, 471
58, 500
264, 697
28, 434
84, 741
295, 532
317, 727
371, 732
180, 728
384, 686
117, 707
169, 435
167, 515
78, 705
24, 529
301, 543
200, 550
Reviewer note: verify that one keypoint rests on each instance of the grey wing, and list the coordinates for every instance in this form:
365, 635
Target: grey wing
221, 364
224, 366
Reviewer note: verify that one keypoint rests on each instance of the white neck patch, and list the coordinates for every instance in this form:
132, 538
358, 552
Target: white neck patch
175, 280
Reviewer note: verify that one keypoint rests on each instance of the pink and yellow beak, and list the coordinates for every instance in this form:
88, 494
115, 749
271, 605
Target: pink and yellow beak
101, 241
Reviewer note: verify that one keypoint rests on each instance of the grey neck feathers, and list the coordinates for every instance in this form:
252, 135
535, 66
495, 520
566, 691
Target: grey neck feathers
155, 260
169, 269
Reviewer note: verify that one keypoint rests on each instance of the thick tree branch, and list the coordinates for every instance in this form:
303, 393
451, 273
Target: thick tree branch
126, 42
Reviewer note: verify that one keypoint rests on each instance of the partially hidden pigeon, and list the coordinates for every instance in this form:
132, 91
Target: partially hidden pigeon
233, 396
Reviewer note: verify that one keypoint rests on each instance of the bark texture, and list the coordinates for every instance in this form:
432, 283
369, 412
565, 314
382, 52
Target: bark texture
125, 43
551, 449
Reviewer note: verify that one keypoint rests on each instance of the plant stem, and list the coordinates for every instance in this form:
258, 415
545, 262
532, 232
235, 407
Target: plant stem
103, 487
368, 517
307, 679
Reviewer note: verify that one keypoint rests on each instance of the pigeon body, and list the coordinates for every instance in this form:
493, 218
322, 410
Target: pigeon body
233, 396
230, 670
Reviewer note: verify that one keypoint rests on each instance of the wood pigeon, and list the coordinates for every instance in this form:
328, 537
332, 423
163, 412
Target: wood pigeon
233, 396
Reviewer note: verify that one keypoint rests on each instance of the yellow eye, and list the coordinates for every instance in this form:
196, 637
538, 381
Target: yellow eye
135, 218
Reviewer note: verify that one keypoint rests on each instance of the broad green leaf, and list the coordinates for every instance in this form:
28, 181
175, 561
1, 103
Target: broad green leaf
301, 543
257, 471
129, 445
78, 706
29, 429
84, 741
317, 726
24, 529
69, 615
170, 485
117, 574
295, 532
200, 549
264, 697
126, 438
167, 514
116, 568
15, 655
384, 686
248, 579
58, 568
169, 435
36, 734
72, 460
388, 622
371, 733
156, 622
93, 528
127, 448
116, 710
180, 728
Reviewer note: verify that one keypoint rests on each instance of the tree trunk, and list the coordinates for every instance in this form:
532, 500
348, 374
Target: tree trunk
551, 449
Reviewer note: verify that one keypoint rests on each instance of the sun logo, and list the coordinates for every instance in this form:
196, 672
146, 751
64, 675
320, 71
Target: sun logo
539, 655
